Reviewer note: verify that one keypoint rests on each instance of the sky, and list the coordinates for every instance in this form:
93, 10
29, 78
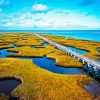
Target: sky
49, 14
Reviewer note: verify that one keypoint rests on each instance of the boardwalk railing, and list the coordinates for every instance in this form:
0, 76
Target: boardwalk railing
88, 63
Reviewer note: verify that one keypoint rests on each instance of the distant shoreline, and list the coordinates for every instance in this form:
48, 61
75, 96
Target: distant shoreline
45, 30
93, 35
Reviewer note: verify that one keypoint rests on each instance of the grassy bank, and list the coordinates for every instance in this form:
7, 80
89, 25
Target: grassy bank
40, 84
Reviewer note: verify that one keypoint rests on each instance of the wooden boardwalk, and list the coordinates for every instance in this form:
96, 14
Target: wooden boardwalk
90, 64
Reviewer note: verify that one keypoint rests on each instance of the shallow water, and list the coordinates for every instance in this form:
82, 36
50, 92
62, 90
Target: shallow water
7, 85
32, 46
4, 52
77, 50
13, 45
50, 65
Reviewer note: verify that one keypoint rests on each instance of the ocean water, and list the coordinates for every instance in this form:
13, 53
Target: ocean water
80, 34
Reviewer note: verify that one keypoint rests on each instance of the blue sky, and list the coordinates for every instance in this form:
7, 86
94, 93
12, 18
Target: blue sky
50, 14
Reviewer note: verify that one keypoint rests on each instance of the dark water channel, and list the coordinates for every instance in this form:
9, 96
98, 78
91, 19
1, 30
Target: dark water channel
7, 85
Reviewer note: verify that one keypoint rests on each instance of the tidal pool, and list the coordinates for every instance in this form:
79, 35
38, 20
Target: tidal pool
8, 84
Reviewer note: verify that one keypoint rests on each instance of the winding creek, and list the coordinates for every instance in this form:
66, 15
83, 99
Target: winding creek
7, 85
4, 52
50, 65
45, 63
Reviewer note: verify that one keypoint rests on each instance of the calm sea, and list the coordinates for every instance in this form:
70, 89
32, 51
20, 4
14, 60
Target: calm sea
80, 34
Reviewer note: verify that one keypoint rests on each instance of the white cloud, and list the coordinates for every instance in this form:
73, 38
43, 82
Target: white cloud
53, 20
9, 24
39, 7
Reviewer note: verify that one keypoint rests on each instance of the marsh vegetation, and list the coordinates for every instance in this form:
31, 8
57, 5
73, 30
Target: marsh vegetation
39, 83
